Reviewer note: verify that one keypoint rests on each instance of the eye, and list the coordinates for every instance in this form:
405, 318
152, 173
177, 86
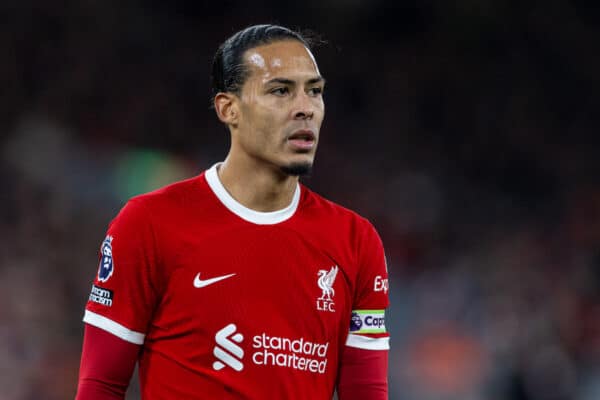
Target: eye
315, 91
280, 91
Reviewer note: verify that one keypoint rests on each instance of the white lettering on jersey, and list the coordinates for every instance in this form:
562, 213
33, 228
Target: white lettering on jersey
381, 285
325, 282
299, 354
101, 295
234, 354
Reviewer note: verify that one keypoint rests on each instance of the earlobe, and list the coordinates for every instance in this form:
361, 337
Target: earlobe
226, 108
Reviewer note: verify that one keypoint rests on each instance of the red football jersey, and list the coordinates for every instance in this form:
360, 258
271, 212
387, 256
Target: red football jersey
233, 303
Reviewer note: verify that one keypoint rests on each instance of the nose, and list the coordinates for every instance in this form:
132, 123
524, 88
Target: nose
304, 109
304, 115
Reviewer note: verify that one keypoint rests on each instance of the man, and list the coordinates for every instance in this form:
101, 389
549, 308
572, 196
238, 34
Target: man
240, 282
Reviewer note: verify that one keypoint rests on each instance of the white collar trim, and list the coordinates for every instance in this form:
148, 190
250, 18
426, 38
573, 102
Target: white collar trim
256, 217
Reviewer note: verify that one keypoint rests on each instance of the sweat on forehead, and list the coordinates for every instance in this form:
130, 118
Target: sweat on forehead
278, 56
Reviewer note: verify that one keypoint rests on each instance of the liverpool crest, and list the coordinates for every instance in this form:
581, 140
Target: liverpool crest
325, 282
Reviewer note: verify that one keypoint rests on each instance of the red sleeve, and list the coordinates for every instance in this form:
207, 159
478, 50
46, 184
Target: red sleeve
372, 280
126, 288
107, 364
363, 374
367, 322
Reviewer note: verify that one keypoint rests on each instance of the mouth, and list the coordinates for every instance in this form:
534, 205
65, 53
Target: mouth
303, 139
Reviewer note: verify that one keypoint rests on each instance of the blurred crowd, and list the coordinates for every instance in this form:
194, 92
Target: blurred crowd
465, 131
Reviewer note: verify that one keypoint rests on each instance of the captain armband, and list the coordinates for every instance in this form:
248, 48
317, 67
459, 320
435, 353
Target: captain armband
367, 321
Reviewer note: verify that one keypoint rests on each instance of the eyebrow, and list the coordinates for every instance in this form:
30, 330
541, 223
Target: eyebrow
286, 81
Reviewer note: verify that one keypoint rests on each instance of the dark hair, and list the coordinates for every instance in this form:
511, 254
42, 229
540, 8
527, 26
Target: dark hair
229, 71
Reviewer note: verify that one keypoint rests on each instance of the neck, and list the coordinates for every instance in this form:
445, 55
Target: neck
257, 186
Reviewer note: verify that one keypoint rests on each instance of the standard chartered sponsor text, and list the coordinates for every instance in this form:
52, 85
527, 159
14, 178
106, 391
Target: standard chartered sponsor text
299, 354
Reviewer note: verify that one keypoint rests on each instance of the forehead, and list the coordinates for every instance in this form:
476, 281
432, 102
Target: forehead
288, 58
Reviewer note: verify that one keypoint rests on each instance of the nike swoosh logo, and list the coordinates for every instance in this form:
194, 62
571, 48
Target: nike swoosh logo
199, 283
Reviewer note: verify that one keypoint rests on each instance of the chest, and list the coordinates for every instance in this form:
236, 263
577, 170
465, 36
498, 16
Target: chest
262, 279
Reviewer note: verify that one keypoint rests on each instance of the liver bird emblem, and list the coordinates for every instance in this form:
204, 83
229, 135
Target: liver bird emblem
325, 282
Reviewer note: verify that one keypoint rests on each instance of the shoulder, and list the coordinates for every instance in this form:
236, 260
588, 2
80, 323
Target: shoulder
174, 194
169, 200
340, 223
174, 191
330, 211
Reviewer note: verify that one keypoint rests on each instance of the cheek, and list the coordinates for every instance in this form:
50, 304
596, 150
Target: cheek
253, 118
262, 129
320, 112
270, 119
263, 123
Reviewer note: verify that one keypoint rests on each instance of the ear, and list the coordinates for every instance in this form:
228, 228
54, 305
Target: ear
227, 109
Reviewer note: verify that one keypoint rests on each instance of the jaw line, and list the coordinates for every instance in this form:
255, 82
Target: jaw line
297, 169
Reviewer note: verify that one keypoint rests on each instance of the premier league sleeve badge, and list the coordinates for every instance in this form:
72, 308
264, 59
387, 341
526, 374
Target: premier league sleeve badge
106, 267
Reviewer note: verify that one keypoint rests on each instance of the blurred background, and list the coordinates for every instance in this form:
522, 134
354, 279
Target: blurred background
467, 132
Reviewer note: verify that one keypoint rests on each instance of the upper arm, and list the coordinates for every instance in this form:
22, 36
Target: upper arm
121, 304
124, 293
107, 363
363, 374
367, 325
364, 361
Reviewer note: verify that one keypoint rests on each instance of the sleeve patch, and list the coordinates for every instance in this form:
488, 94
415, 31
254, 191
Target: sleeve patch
106, 267
101, 295
367, 321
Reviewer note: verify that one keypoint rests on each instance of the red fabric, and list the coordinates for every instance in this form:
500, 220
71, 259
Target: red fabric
107, 364
363, 375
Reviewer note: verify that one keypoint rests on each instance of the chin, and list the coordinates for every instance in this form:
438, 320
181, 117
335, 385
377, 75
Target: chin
297, 168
